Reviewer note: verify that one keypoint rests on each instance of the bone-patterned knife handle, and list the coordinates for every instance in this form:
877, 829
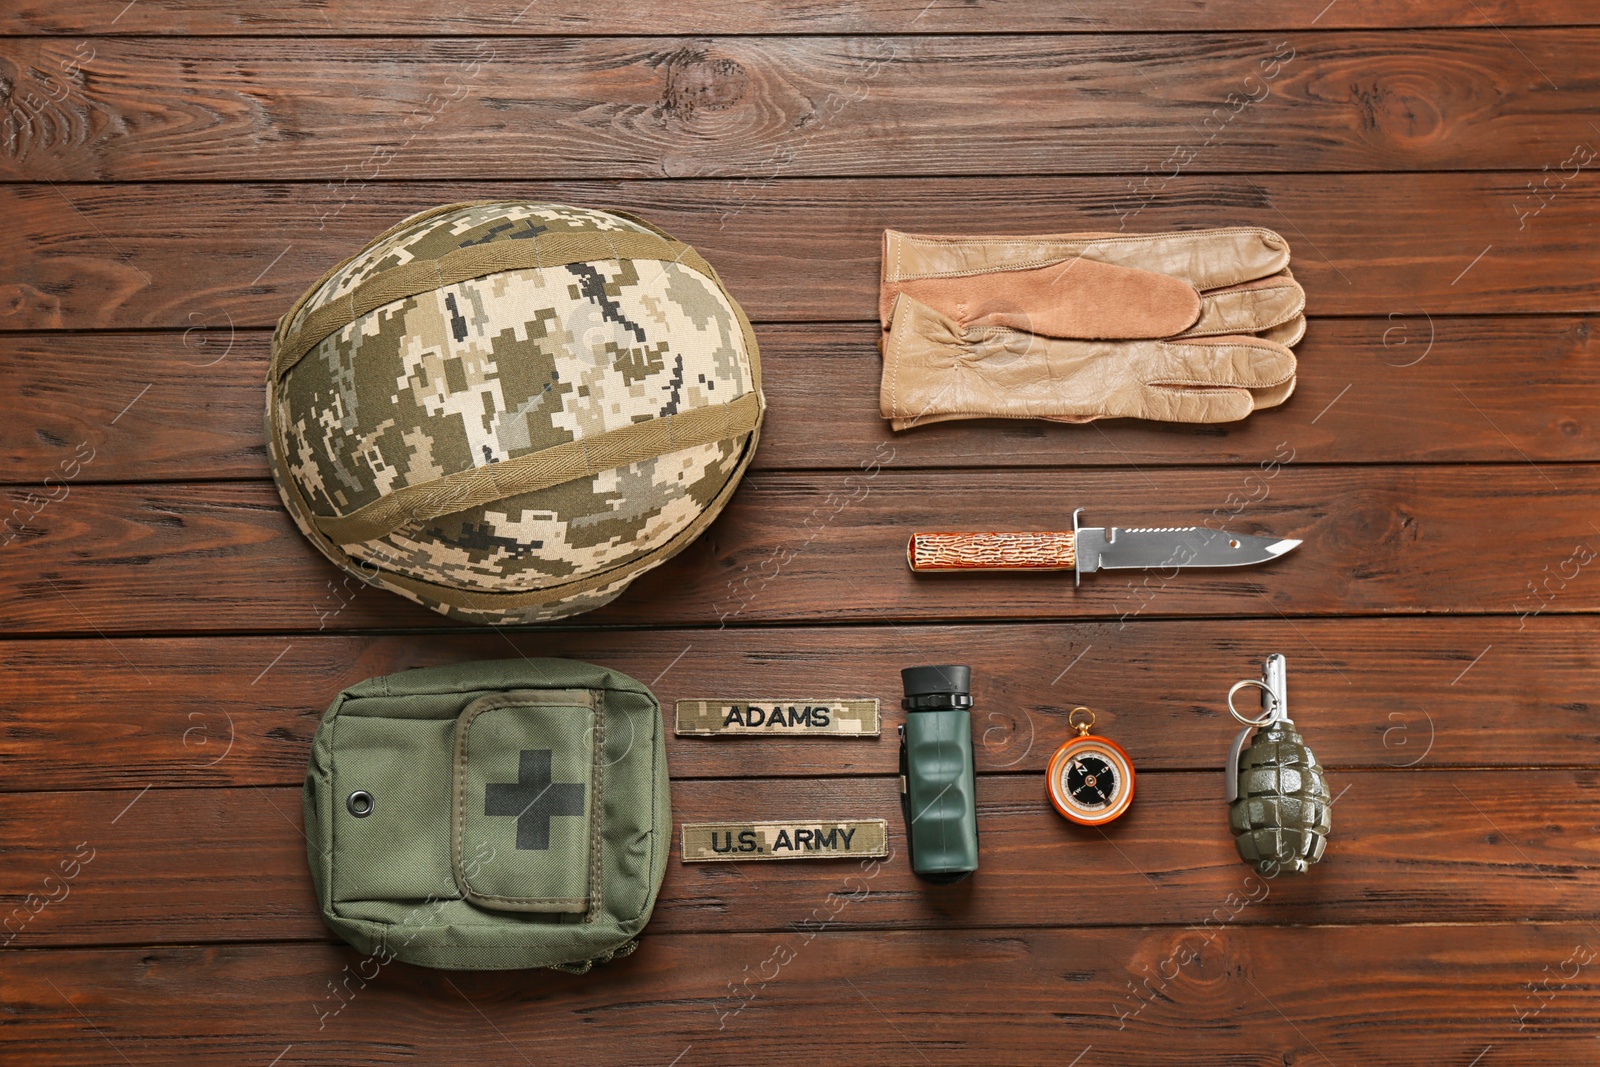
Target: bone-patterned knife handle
992, 551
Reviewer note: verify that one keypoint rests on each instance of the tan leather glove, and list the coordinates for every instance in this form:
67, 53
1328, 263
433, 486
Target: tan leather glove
1181, 327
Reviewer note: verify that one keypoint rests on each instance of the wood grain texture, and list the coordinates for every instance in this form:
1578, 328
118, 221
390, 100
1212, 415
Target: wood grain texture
1443, 692
117, 256
1402, 846
145, 109
1402, 996
1475, 390
196, 18
830, 547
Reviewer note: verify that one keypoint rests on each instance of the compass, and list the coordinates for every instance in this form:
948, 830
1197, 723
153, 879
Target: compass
1090, 778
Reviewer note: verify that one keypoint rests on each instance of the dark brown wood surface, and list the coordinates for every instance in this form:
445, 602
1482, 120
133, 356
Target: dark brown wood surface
1410, 996
134, 108
1393, 247
174, 173
343, 18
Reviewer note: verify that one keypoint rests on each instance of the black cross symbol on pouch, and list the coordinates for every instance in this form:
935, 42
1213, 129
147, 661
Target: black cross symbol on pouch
533, 798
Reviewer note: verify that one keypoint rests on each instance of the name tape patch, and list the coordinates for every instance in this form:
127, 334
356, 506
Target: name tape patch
710, 842
788, 718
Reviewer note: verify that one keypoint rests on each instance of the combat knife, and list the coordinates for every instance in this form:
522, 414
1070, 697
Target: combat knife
1086, 549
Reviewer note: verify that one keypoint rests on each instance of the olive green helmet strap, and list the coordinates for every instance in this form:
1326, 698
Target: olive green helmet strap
581, 458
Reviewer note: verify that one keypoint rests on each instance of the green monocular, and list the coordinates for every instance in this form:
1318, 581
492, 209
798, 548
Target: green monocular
937, 779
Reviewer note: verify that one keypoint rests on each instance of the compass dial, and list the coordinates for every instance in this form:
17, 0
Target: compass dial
1091, 780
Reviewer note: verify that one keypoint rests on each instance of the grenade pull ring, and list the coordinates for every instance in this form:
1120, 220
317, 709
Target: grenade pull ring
1274, 685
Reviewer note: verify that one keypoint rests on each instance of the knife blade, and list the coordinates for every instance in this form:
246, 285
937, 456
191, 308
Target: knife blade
1086, 549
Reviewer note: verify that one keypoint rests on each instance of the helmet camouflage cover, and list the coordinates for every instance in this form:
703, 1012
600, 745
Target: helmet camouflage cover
507, 411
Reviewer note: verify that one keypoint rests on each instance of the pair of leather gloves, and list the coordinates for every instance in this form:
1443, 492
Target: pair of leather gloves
1193, 327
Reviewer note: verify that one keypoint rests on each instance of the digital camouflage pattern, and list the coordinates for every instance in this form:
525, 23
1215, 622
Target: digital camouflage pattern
1282, 816
498, 367
430, 234
706, 842
786, 718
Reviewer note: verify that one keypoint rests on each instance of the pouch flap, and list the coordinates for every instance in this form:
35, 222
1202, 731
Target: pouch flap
526, 832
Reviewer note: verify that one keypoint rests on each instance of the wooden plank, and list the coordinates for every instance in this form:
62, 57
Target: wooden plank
90, 407
1404, 996
198, 18
1474, 390
1374, 693
1403, 845
1508, 540
130, 108
112, 256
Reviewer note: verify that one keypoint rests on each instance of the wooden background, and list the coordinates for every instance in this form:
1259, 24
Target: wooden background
174, 172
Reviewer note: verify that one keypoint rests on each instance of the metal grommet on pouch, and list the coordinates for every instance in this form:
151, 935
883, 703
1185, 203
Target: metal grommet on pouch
359, 803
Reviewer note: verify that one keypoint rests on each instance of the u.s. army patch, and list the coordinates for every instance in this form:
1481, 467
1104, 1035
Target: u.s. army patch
708, 842
788, 718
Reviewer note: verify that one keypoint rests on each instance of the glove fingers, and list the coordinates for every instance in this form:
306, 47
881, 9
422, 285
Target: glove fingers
1249, 307
1244, 362
934, 369
1078, 298
1206, 259
1287, 334
1273, 396
1172, 404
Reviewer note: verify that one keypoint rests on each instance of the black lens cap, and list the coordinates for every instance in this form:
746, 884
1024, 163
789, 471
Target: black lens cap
926, 681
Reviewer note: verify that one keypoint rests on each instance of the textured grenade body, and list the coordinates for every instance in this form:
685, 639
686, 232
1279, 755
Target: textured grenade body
1281, 816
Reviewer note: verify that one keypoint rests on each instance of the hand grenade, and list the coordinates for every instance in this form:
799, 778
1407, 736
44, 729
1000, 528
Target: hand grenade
1278, 802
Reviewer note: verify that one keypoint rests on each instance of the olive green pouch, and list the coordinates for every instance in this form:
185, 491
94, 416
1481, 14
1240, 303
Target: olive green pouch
490, 816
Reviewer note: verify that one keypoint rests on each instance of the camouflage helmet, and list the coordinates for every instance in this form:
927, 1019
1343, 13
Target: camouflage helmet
507, 411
